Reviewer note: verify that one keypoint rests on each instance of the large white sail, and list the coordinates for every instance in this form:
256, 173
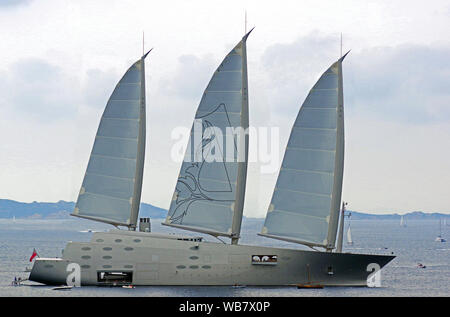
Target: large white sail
209, 194
111, 189
305, 203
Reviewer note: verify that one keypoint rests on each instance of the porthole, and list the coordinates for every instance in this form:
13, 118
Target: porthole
86, 257
206, 267
86, 248
137, 240
107, 257
194, 257
193, 267
100, 240
107, 248
118, 240
181, 267
128, 249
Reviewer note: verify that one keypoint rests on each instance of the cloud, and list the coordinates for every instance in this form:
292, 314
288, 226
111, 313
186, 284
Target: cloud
292, 68
36, 88
190, 77
14, 3
98, 87
405, 83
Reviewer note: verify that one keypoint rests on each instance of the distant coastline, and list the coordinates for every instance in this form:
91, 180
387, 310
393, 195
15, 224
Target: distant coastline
62, 209
58, 210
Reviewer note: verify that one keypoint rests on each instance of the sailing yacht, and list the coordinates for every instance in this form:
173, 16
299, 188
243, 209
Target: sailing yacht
209, 195
349, 236
402, 222
439, 237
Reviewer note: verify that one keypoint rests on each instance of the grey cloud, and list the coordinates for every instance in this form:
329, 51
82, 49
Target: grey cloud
39, 89
403, 83
98, 87
14, 3
190, 78
292, 69
406, 83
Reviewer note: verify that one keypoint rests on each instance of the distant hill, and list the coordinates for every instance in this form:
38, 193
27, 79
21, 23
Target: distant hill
62, 209
415, 215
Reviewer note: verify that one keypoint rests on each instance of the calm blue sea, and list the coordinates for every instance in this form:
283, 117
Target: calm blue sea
412, 244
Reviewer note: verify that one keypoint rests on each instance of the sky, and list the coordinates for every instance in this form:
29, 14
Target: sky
60, 61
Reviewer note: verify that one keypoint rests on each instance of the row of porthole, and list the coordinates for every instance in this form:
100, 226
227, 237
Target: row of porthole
87, 257
119, 240
85, 266
126, 249
193, 267
106, 249
106, 266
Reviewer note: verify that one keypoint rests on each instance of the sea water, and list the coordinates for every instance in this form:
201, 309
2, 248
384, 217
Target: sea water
402, 277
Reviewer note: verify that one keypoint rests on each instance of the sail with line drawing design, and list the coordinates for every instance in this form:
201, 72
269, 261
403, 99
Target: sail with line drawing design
209, 193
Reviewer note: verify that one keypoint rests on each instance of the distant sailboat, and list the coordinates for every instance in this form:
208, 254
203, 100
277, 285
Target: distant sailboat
439, 237
402, 222
14, 219
349, 236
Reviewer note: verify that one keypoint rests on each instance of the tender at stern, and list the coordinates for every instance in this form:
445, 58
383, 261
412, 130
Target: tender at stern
50, 271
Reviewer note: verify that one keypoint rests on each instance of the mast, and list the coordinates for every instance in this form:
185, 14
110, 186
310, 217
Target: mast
341, 228
242, 169
339, 162
245, 23
141, 148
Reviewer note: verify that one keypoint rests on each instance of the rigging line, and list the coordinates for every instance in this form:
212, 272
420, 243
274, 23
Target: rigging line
219, 239
313, 248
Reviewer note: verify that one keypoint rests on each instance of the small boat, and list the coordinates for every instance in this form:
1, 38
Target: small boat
62, 288
421, 266
309, 286
128, 286
89, 231
439, 237
239, 286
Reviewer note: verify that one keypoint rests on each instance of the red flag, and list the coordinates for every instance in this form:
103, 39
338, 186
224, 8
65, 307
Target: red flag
33, 255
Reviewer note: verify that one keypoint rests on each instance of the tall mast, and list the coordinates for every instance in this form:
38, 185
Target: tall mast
341, 229
245, 23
